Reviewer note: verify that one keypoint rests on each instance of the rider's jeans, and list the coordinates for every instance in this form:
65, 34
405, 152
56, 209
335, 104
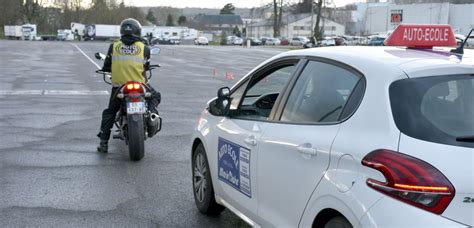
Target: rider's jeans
108, 115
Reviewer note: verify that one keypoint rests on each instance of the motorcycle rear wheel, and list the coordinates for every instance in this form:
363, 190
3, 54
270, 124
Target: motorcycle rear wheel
136, 137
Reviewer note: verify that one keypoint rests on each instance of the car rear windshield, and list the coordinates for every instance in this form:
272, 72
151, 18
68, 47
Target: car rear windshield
435, 109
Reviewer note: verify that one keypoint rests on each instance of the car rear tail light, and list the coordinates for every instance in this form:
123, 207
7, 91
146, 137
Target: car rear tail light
410, 180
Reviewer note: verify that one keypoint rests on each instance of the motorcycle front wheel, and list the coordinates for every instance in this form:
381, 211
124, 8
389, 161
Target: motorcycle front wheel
136, 136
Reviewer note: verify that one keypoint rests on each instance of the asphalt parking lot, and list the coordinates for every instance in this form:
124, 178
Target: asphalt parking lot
50, 107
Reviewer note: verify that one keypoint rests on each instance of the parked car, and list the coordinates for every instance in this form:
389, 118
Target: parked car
164, 41
201, 41
461, 38
299, 41
284, 41
234, 40
273, 41
328, 41
470, 41
311, 45
342, 137
64, 34
340, 41
176, 41
264, 39
362, 40
254, 41
238, 41
350, 40
376, 41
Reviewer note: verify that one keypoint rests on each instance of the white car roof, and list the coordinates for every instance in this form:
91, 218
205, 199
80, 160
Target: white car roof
414, 62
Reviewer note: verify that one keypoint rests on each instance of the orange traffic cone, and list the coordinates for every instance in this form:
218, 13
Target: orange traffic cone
229, 75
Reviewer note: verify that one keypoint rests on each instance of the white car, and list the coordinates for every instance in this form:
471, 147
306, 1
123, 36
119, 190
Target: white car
298, 41
238, 41
234, 40
272, 41
342, 137
470, 41
328, 41
201, 41
459, 39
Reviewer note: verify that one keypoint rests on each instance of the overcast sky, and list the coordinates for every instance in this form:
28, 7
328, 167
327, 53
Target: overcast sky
214, 3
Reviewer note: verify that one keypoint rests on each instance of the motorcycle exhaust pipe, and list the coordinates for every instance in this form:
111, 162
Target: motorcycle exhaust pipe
153, 124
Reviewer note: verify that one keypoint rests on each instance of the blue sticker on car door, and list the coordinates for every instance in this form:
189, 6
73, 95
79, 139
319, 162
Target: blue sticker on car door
234, 166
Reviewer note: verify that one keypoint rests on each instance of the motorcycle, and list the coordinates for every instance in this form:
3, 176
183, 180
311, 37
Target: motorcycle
135, 123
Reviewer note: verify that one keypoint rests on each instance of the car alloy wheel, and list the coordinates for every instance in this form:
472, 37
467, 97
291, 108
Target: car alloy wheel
200, 178
202, 184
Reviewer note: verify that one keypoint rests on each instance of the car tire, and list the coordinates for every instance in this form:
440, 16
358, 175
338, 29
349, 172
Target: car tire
203, 190
338, 222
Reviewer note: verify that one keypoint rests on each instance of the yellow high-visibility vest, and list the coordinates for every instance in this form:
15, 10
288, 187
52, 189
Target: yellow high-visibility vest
128, 63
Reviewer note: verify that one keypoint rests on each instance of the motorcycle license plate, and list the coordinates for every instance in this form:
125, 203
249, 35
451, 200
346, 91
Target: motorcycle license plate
135, 107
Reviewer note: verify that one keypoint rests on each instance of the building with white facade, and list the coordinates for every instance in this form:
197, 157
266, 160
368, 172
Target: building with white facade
295, 25
383, 17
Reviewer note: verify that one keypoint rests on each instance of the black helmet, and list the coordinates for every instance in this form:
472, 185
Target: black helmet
130, 27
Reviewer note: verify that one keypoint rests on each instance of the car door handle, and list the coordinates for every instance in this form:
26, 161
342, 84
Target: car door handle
307, 149
251, 141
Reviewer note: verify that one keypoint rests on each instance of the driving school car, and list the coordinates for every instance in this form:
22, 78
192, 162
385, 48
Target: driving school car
345, 137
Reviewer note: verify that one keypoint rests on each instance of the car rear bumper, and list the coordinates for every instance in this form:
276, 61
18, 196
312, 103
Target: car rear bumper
388, 212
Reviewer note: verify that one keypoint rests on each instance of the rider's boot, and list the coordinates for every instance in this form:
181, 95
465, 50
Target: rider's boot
103, 146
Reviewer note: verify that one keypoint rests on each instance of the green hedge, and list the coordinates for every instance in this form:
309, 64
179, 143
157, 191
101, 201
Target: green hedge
214, 43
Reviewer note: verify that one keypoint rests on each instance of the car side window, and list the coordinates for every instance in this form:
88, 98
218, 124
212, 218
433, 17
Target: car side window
236, 96
262, 92
320, 94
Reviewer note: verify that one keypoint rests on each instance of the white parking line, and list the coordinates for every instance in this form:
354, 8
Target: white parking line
75, 92
21, 92
55, 92
92, 61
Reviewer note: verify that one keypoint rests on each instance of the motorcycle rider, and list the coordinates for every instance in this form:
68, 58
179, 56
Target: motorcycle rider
127, 60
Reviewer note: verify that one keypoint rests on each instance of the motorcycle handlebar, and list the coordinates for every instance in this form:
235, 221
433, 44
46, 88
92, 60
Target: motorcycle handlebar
150, 69
105, 74
102, 72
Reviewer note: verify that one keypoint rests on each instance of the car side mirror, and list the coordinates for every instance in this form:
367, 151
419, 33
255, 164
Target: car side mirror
220, 106
100, 56
223, 92
155, 51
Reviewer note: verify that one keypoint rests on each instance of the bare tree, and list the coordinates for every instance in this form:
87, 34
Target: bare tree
318, 32
304, 6
71, 11
9, 13
277, 16
31, 10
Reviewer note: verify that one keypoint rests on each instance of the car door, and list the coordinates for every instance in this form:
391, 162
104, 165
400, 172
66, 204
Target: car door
293, 154
238, 135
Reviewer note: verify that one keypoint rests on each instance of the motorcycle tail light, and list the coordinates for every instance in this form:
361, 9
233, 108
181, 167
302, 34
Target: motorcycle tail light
133, 87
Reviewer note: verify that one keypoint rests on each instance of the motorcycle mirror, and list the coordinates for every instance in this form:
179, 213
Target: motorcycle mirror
155, 51
99, 56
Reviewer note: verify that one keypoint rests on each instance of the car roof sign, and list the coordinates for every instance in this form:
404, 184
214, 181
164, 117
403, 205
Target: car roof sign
422, 36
